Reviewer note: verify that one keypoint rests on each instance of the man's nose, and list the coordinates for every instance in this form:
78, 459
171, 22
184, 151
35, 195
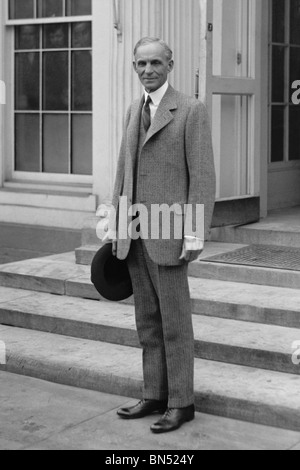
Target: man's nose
149, 69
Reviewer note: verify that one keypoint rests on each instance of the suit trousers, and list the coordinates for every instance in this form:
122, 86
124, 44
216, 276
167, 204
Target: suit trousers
164, 326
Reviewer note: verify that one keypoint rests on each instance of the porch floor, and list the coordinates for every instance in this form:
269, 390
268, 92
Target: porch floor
280, 227
282, 220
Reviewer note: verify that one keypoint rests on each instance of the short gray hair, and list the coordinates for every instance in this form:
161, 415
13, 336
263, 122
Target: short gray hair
151, 40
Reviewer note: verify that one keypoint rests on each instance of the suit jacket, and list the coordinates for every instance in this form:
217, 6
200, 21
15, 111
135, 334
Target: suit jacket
175, 167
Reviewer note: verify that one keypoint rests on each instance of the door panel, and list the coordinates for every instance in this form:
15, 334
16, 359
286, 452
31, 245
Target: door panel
232, 93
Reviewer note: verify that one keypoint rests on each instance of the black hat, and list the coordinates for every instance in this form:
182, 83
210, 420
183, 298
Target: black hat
110, 276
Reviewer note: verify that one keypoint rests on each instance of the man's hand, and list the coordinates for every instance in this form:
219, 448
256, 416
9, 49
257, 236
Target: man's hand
192, 249
190, 255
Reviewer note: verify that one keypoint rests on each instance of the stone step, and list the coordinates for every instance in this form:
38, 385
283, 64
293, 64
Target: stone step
281, 227
255, 234
253, 303
220, 271
254, 345
245, 274
239, 392
47, 240
84, 254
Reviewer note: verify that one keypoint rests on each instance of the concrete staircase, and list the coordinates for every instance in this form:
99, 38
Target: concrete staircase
56, 327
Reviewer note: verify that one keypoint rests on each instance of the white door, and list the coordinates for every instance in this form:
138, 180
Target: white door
232, 93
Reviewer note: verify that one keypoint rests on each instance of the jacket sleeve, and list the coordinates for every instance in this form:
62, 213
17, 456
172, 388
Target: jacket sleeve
119, 180
200, 163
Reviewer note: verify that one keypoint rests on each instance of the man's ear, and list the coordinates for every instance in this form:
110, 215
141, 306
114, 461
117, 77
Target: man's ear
171, 65
134, 66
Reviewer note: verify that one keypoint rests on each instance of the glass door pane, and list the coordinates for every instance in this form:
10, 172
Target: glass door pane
231, 120
231, 38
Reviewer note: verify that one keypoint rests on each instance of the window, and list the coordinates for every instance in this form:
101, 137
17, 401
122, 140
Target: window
31, 9
285, 59
53, 89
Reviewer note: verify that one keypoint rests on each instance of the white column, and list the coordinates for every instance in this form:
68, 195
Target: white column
103, 31
2, 92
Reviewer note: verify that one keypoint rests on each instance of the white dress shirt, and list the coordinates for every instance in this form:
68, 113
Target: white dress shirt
156, 97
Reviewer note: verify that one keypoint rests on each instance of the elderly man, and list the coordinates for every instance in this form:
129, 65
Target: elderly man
165, 158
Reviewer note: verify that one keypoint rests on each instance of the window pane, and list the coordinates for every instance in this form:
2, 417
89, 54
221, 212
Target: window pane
277, 134
27, 142
230, 130
27, 37
82, 35
56, 36
294, 137
19, 9
278, 20
79, 7
82, 141
55, 143
27, 87
56, 81
295, 22
82, 81
278, 74
294, 64
51, 8
231, 21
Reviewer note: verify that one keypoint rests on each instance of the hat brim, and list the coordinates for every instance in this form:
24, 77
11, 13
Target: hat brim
110, 275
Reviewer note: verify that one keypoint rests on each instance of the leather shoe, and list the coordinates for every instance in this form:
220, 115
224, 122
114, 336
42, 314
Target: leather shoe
142, 409
173, 419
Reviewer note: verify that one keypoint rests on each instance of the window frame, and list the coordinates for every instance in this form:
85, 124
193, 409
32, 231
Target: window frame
286, 163
45, 20
10, 174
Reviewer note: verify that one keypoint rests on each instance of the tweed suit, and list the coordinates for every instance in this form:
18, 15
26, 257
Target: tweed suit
172, 163
175, 166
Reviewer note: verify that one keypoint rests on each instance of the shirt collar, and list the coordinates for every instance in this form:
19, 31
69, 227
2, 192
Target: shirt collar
157, 95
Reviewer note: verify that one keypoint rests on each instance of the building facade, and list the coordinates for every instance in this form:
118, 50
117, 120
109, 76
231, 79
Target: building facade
67, 79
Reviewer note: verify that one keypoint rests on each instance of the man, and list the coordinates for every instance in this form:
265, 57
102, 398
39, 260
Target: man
165, 158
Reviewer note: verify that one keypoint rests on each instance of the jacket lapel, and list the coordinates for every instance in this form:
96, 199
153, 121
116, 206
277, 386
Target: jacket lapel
163, 114
134, 127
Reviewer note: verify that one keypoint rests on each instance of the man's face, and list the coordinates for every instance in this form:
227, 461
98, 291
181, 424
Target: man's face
57, 38
28, 37
82, 35
152, 66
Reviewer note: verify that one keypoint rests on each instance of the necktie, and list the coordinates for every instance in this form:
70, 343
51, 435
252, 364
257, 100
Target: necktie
147, 114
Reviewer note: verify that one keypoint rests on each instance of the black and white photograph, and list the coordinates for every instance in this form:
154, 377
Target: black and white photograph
150, 227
